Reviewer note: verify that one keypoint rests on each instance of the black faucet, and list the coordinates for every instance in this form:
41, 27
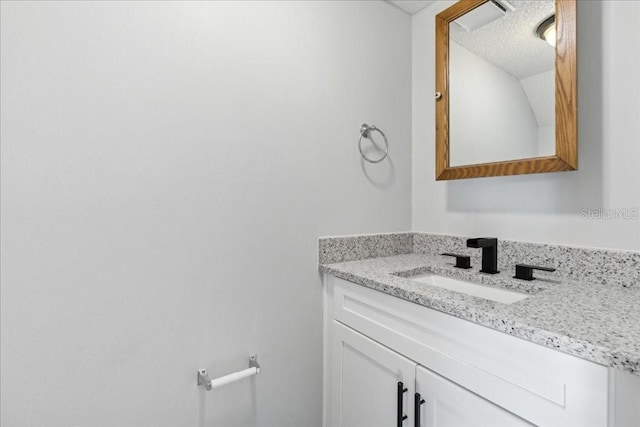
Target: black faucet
489, 247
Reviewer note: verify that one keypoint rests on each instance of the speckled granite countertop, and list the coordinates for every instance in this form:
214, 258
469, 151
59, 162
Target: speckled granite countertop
597, 322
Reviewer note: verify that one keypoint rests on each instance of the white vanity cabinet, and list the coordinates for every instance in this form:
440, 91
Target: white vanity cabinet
375, 386
468, 375
448, 404
371, 384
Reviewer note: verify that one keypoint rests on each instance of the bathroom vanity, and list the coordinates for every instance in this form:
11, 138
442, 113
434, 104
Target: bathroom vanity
412, 341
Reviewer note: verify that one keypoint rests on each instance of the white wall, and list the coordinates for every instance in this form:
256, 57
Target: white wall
540, 90
490, 116
167, 168
546, 207
546, 141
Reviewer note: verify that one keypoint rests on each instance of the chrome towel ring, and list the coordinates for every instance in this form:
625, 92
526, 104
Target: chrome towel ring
365, 132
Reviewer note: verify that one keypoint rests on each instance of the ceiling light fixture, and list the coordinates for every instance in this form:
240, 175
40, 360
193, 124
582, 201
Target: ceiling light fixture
547, 30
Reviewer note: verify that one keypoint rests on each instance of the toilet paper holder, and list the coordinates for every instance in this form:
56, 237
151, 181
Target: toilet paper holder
209, 384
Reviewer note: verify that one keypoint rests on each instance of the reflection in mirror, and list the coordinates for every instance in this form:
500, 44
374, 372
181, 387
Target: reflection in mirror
502, 82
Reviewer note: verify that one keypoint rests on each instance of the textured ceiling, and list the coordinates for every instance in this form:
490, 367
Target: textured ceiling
511, 42
411, 6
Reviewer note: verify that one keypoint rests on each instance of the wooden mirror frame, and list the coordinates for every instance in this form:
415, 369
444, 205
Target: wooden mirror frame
566, 99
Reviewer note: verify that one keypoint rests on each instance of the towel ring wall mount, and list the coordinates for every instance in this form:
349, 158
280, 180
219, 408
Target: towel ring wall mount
365, 132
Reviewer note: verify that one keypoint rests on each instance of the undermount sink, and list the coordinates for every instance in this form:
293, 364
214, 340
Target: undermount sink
487, 292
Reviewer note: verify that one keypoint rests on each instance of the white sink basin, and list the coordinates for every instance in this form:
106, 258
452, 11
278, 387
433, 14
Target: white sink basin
469, 288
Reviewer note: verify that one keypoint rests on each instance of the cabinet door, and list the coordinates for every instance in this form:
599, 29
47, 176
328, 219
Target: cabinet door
448, 405
364, 382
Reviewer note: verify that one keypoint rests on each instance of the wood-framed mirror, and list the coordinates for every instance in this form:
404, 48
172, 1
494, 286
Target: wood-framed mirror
506, 100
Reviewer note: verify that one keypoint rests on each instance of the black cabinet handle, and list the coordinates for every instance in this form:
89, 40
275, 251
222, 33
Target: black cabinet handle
417, 401
401, 391
525, 271
462, 261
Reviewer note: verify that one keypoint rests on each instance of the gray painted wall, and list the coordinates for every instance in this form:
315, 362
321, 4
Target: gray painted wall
166, 171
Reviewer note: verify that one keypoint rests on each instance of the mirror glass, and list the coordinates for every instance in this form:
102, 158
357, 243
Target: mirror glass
502, 82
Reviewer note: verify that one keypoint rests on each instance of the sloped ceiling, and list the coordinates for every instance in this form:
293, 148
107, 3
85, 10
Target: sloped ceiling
411, 6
